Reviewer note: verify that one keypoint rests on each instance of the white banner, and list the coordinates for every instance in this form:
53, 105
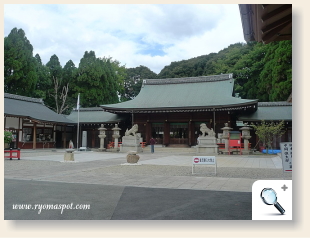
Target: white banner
204, 160
287, 156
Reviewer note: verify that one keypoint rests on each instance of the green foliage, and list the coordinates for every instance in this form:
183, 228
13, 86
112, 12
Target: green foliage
247, 70
120, 76
96, 80
267, 132
44, 81
68, 72
276, 76
133, 81
20, 75
55, 94
8, 137
261, 71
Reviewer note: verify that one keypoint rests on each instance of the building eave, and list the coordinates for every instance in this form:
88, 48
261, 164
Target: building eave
232, 107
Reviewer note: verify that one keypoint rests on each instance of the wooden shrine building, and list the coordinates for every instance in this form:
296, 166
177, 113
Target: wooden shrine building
90, 119
171, 110
34, 125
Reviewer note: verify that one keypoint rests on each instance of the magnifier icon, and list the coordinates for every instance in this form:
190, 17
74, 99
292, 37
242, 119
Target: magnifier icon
269, 197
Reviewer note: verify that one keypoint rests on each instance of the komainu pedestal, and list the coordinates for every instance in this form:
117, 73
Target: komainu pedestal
131, 143
69, 155
131, 140
207, 143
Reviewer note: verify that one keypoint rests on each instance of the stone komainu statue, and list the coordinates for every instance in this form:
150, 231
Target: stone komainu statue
205, 130
132, 131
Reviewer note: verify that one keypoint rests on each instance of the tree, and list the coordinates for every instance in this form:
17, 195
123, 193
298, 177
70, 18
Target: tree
20, 75
44, 82
276, 76
133, 81
267, 132
96, 80
121, 75
247, 72
59, 92
68, 78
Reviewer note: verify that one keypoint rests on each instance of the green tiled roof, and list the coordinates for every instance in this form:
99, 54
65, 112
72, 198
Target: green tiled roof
93, 115
183, 93
270, 111
31, 108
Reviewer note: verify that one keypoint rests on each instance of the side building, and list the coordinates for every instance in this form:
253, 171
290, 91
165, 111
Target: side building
271, 112
89, 120
34, 125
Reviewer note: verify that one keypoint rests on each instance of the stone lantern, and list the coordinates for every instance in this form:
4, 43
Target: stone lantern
116, 135
246, 136
102, 135
225, 136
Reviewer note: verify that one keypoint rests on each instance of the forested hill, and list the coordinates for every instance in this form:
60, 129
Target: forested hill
261, 71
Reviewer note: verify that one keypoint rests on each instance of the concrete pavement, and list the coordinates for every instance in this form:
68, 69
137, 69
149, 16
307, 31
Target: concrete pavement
159, 170
162, 186
120, 202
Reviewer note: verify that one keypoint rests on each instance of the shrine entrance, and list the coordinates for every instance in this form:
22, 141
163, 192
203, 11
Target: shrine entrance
179, 133
158, 132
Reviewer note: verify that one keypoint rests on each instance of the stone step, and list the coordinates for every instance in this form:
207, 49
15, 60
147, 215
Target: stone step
170, 149
178, 146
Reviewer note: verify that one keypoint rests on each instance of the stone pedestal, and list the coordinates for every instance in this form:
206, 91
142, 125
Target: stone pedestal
131, 143
69, 156
132, 157
207, 145
246, 150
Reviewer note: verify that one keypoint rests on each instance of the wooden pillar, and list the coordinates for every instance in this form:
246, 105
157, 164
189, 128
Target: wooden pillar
214, 120
166, 133
34, 137
65, 136
148, 132
190, 133
193, 136
93, 138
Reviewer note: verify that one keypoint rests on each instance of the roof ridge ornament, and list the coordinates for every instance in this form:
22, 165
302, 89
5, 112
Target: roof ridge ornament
199, 79
23, 98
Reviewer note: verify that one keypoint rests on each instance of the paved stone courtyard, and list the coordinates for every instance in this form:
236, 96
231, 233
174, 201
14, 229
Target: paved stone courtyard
163, 169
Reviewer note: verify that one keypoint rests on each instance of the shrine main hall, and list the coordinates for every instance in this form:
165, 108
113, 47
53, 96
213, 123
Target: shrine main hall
171, 110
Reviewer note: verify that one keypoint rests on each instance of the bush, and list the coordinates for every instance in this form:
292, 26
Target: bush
267, 131
8, 137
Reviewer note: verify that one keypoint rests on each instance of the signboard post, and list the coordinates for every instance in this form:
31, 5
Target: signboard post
287, 156
203, 160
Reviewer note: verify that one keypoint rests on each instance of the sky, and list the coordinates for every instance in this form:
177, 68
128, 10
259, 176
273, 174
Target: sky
152, 35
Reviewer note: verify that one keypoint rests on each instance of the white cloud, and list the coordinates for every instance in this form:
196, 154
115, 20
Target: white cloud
143, 34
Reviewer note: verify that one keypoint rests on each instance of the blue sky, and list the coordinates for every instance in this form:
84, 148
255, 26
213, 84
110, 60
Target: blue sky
153, 35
